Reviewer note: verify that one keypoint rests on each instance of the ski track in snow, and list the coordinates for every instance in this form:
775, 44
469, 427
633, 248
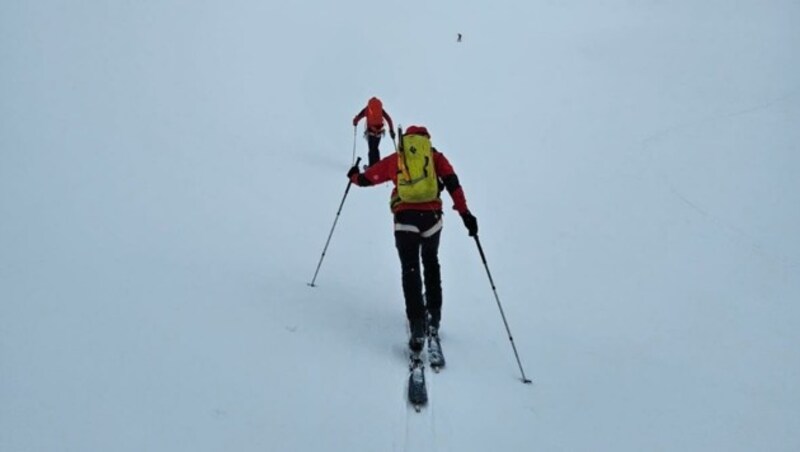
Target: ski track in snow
429, 382
745, 238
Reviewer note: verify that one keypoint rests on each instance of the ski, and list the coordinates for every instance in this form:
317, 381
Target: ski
417, 392
435, 355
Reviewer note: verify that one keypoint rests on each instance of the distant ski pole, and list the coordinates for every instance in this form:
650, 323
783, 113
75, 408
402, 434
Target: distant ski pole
502, 314
349, 183
354, 144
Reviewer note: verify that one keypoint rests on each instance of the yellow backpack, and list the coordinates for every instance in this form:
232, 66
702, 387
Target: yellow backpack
416, 173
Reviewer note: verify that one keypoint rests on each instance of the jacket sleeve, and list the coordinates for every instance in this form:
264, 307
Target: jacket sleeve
360, 115
381, 172
388, 120
450, 180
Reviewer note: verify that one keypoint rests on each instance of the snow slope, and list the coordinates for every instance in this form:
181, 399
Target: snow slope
170, 171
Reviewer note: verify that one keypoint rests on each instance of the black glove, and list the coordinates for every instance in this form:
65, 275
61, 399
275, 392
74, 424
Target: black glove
352, 171
470, 222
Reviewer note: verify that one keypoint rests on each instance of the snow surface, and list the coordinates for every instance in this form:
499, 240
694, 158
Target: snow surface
169, 171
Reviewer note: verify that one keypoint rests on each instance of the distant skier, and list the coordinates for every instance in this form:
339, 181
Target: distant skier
459, 38
418, 172
375, 115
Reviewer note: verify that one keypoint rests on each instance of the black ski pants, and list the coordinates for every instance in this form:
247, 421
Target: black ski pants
374, 154
416, 235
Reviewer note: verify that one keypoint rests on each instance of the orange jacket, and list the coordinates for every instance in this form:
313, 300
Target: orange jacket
374, 128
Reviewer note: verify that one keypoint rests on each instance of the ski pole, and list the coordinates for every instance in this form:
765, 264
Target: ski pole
502, 314
354, 144
349, 183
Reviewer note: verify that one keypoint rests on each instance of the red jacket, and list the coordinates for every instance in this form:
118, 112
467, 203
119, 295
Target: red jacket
386, 170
